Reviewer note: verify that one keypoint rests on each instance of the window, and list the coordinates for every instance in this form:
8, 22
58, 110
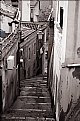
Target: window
29, 53
1, 17
20, 64
31, 19
31, 16
39, 5
34, 48
14, 3
46, 55
61, 17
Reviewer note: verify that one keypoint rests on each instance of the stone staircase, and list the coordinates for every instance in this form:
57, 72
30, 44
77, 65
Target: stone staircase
33, 104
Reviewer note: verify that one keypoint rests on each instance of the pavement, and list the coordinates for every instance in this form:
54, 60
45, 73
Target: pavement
33, 104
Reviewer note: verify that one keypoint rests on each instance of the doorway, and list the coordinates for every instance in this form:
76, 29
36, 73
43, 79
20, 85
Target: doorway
0, 94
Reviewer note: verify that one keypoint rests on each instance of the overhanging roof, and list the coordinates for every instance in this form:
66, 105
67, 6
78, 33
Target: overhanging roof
7, 10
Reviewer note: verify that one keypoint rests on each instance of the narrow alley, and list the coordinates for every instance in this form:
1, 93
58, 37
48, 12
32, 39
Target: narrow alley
33, 104
39, 60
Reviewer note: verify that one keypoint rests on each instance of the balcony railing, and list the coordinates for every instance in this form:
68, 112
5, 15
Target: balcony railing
33, 25
30, 25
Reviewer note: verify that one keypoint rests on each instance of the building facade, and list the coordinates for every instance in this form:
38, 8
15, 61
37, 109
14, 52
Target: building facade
44, 9
8, 50
34, 11
42, 49
24, 7
28, 47
65, 87
9, 70
7, 15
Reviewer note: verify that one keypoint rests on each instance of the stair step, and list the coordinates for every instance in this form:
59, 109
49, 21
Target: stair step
34, 99
38, 89
34, 93
30, 82
33, 81
33, 106
31, 89
27, 119
29, 113
24, 93
33, 85
35, 78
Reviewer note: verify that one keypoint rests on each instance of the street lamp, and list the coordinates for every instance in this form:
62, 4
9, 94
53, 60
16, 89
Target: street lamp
40, 34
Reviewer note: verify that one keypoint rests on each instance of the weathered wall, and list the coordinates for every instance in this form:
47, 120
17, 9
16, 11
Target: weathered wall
9, 79
29, 63
66, 79
45, 9
6, 16
73, 33
36, 12
45, 52
70, 77
59, 52
4, 21
69, 93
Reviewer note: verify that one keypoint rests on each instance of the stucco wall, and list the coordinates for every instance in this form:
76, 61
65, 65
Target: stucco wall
69, 92
25, 10
70, 77
36, 12
9, 12
73, 33
66, 80
4, 21
9, 80
29, 64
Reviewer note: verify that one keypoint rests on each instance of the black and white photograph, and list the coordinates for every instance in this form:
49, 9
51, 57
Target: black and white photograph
39, 60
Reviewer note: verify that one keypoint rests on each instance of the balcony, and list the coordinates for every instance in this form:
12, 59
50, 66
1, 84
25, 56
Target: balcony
31, 25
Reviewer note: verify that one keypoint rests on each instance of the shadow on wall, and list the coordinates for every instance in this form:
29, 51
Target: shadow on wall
11, 89
28, 72
34, 68
69, 94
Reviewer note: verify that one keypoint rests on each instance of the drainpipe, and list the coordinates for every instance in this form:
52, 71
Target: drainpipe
0, 77
19, 55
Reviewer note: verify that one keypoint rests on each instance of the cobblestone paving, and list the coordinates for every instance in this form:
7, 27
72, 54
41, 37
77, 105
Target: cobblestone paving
33, 104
